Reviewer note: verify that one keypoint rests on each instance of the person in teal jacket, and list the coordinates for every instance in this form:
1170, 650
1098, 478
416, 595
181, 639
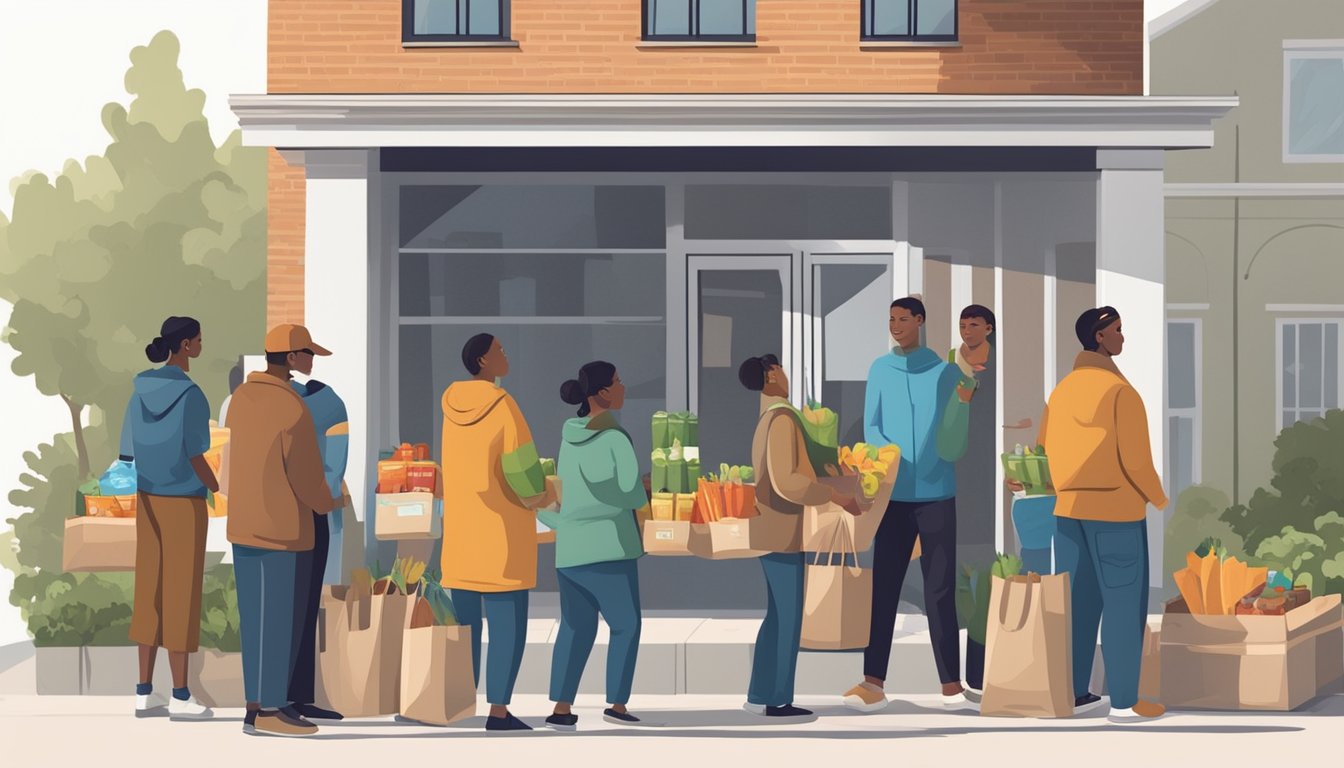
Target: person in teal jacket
597, 544
920, 403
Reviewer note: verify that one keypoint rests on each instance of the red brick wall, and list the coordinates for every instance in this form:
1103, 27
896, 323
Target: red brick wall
1092, 47
593, 46
285, 214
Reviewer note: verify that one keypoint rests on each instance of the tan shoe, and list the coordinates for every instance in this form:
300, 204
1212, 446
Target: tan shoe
278, 723
866, 697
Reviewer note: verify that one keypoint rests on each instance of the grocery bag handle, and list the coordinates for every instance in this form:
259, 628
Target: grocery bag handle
1008, 592
844, 534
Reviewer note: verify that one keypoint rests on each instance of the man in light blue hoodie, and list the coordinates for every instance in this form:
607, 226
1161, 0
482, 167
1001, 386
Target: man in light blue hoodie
920, 403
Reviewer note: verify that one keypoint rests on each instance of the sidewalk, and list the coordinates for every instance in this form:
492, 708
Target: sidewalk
696, 730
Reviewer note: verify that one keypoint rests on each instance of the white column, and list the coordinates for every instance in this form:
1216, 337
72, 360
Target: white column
1131, 276
339, 236
1003, 525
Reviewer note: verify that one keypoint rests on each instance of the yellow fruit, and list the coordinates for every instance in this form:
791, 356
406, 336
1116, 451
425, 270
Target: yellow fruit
870, 484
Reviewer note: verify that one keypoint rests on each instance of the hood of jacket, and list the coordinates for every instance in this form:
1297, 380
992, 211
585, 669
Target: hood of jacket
918, 361
327, 408
468, 402
161, 389
584, 430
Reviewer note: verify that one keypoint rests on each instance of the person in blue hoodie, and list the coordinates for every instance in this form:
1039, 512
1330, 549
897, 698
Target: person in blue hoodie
166, 434
597, 544
921, 403
333, 441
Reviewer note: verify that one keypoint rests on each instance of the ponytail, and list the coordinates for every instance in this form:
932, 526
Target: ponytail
593, 378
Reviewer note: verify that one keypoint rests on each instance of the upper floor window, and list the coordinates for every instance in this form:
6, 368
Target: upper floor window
700, 20
1313, 101
910, 20
454, 21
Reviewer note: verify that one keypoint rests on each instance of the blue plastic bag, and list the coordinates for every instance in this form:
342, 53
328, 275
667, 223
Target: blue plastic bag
119, 479
1034, 521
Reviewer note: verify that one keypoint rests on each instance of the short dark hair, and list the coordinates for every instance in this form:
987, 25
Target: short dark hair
912, 305
477, 346
593, 378
1092, 322
277, 358
753, 371
979, 312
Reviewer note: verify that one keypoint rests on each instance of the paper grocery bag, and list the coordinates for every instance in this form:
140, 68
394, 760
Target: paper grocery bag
359, 651
837, 598
437, 682
1029, 648
820, 522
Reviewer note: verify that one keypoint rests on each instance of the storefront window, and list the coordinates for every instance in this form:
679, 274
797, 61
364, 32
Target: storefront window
788, 212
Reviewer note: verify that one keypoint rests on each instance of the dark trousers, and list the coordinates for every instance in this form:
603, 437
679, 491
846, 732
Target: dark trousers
307, 597
935, 523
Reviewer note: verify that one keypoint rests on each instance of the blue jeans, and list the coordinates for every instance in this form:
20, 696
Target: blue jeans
266, 581
1107, 565
507, 614
774, 663
611, 589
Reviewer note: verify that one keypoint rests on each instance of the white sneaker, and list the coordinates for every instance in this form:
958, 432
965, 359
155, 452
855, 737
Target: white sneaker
755, 709
958, 702
191, 709
151, 705
865, 698
1142, 712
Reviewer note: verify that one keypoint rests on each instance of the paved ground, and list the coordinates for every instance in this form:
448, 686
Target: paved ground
710, 730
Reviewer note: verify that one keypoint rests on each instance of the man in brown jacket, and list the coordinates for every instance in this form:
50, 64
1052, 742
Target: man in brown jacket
276, 483
785, 483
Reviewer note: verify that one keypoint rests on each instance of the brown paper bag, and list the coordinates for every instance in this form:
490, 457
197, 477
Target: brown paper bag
437, 682
837, 598
98, 544
359, 651
1029, 648
1150, 668
819, 523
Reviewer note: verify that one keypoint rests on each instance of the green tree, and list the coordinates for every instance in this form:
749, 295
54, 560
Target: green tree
1308, 482
1197, 517
163, 222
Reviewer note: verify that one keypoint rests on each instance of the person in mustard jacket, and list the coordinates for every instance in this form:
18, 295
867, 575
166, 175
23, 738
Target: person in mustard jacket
493, 483
1095, 433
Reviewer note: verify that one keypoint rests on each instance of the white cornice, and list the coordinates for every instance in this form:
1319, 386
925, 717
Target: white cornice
1177, 16
381, 120
1255, 189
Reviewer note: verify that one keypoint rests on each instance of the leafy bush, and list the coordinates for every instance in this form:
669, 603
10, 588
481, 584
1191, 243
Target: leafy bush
219, 611
1315, 558
973, 602
1308, 483
79, 609
1197, 518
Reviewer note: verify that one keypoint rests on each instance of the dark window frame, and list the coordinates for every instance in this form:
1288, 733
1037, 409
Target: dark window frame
693, 24
865, 25
408, 34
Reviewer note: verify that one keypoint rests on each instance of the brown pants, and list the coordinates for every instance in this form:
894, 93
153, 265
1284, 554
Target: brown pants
169, 566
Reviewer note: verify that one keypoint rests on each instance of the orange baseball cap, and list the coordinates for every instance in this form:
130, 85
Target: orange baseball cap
292, 338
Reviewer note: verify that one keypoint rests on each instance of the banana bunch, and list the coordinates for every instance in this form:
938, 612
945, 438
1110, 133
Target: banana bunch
870, 463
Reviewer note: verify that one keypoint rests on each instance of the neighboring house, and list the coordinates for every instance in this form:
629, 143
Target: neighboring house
1254, 234
674, 185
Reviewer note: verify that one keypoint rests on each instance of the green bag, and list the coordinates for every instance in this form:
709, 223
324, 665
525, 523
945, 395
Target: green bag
818, 454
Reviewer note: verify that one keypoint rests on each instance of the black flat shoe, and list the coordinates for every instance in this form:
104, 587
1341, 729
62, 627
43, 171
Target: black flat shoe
620, 718
506, 723
314, 712
566, 723
787, 710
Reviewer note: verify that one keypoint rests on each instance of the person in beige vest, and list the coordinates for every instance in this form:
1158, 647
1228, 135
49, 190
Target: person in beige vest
785, 483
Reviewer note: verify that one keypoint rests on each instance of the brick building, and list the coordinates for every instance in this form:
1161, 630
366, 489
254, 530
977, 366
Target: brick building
676, 184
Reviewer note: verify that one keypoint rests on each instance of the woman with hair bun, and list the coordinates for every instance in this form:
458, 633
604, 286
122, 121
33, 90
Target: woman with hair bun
166, 433
597, 544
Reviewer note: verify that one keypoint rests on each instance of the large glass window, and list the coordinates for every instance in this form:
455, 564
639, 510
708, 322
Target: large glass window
915, 20
1184, 361
787, 212
692, 20
446, 21
1313, 103
1309, 354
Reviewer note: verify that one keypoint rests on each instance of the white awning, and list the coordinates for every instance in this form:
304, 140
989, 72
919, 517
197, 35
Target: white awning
713, 120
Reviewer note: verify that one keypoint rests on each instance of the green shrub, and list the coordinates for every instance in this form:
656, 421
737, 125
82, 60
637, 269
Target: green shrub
78, 608
219, 611
1197, 518
1315, 558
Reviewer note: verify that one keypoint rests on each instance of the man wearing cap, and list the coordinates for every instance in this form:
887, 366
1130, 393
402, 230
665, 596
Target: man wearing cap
1095, 433
276, 485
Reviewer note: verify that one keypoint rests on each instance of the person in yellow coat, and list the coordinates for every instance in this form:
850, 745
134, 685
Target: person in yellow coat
492, 485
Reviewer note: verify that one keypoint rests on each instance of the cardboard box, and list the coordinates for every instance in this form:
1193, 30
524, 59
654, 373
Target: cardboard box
99, 544
401, 516
1275, 663
727, 539
667, 537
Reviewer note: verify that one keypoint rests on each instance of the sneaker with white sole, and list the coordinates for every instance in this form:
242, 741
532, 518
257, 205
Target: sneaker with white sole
755, 709
189, 709
1142, 712
151, 705
1087, 703
866, 697
958, 702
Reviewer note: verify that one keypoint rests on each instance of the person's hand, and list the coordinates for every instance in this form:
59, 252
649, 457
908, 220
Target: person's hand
337, 502
1022, 424
1014, 486
965, 394
845, 502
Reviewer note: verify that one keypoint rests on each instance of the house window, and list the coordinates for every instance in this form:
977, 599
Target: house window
912, 20
1308, 363
1313, 102
451, 21
700, 20
1184, 396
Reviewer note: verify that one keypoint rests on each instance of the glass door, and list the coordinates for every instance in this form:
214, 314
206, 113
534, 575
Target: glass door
740, 306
